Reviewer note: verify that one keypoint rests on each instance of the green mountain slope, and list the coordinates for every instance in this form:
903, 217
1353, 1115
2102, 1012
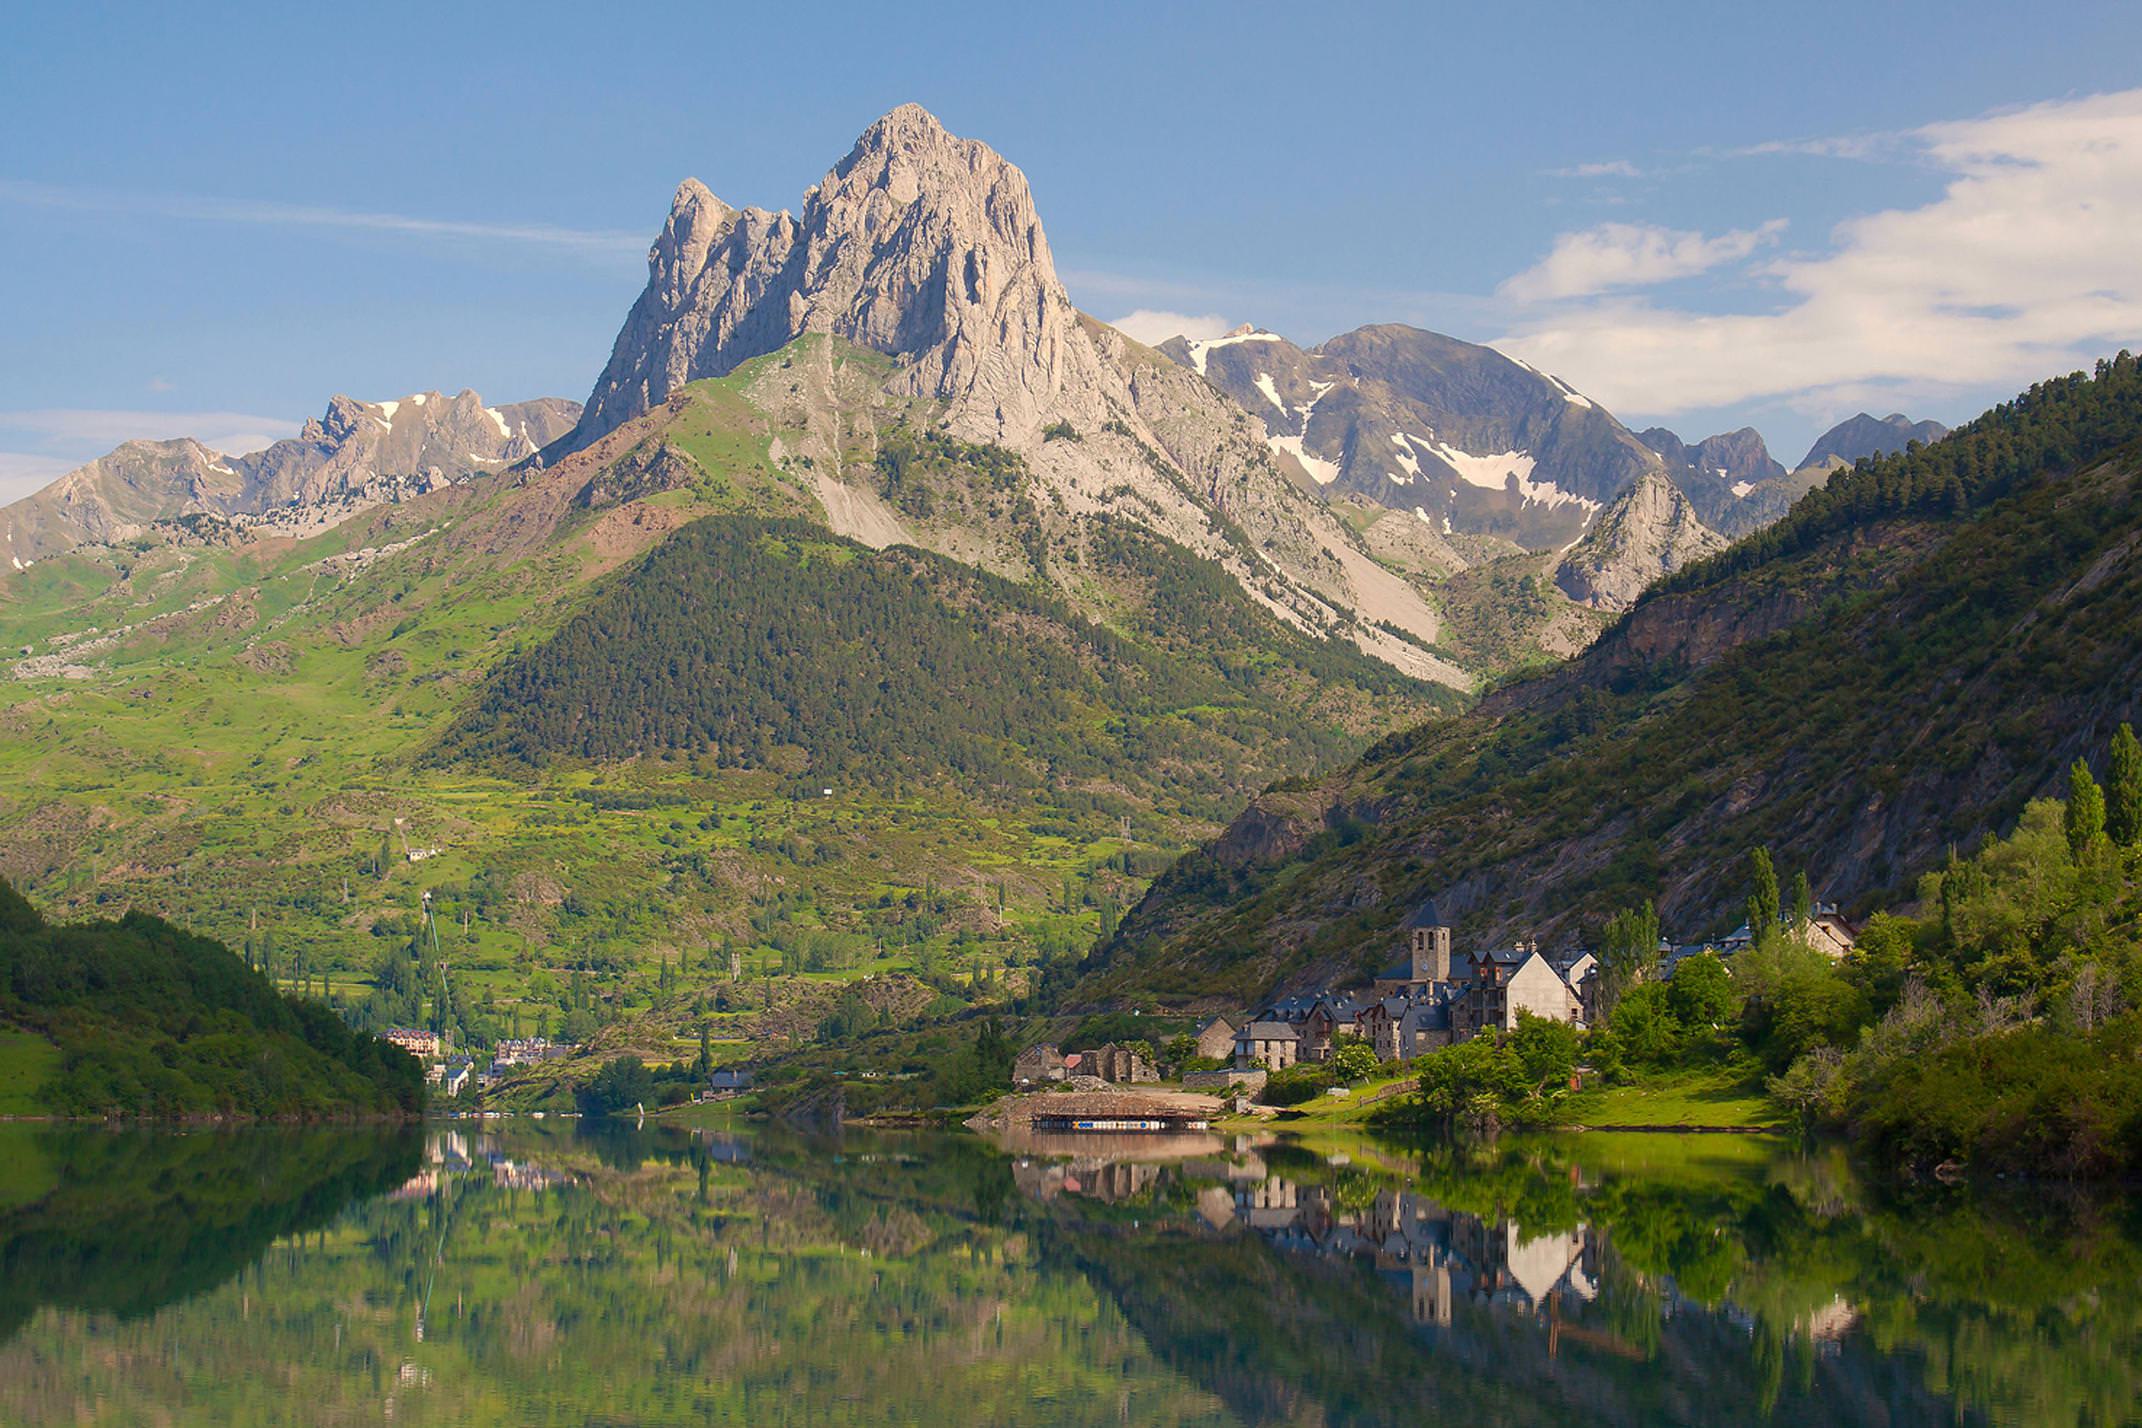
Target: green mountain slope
1898, 667
152, 1021
285, 744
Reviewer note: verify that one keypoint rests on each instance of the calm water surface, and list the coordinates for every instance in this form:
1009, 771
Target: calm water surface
535, 1273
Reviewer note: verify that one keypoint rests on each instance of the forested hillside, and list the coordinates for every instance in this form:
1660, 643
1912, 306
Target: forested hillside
1896, 669
148, 1020
772, 643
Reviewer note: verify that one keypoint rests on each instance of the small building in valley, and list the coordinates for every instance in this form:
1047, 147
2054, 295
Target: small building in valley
1510, 981
1830, 933
422, 1044
1123, 1065
1270, 1044
527, 1051
454, 1076
1038, 1064
1216, 1038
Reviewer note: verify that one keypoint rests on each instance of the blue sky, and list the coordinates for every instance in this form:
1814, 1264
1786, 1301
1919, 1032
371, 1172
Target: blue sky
212, 218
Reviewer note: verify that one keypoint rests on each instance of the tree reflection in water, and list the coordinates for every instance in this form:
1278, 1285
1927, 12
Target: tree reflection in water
514, 1272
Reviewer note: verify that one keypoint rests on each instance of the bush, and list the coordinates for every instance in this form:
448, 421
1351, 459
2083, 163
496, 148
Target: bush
1700, 995
1296, 1084
1644, 1029
1470, 1082
1355, 1063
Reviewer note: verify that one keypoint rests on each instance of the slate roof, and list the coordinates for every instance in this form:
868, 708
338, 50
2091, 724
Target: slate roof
1343, 1007
1424, 916
1268, 1031
1430, 1014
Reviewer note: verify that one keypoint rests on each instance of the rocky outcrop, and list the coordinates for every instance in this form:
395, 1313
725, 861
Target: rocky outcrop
354, 455
1733, 457
1648, 531
1736, 486
368, 451
1731, 479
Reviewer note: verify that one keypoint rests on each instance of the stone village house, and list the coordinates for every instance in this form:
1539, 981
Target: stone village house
1046, 1063
1216, 1038
1120, 1064
1427, 1001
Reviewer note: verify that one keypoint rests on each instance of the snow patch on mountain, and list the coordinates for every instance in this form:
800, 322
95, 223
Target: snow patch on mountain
1204, 347
1495, 472
1490, 472
1321, 471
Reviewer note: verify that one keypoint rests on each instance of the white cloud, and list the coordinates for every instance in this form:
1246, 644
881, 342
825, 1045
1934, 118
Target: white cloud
2026, 266
1630, 255
75, 434
1611, 168
1151, 325
22, 473
1836, 146
595, 243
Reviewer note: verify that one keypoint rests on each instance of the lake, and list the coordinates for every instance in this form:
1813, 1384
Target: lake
524, 1272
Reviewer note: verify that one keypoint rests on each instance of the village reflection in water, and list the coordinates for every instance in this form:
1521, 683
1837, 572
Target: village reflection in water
1430, 1256
513, 1272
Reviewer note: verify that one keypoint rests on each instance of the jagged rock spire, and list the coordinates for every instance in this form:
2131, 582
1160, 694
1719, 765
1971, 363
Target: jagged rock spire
917, 243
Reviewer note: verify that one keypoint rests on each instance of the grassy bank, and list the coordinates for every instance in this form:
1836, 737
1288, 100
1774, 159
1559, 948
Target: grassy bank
1728, 1097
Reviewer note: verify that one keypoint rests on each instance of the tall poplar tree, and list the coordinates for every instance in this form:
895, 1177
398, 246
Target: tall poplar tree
2086, 808
2123, 789
1763, 897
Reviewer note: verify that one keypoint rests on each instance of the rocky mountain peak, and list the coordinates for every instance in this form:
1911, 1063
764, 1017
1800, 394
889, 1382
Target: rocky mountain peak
905, 128
1469, 440
1861, 436
337, 424
697, 221
1738, 456
917, 243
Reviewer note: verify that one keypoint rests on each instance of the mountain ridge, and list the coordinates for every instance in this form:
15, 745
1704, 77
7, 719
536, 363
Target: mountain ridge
354, 455
1469, 439
1861, 436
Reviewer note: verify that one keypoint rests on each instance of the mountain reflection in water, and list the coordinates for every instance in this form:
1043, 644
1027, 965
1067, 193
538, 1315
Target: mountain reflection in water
515, 1272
